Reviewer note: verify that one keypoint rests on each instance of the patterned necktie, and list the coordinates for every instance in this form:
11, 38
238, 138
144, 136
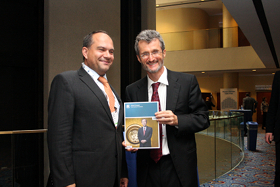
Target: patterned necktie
157, 153
109, 93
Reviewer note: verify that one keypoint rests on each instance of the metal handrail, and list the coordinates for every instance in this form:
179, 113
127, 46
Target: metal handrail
24, 131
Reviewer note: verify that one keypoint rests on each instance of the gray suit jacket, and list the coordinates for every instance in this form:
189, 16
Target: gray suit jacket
84, 145
184, 99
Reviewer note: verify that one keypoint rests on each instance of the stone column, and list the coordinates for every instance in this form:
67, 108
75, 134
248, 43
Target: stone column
230, 30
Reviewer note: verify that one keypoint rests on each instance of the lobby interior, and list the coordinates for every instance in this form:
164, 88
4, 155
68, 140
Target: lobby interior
225, 43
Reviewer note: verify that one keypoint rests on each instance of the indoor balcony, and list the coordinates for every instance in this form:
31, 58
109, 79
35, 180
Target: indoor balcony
208, 50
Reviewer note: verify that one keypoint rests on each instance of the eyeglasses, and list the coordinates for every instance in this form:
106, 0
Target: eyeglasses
147, 55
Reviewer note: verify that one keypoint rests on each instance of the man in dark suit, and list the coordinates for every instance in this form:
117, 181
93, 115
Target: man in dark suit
250, 104
273, 123
85, 127
182, 114
209, 103
144, 134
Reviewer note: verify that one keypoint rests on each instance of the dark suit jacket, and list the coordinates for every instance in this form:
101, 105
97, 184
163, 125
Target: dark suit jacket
84, 145
250, 104
184, 99
209, 105
147, 136
273, 114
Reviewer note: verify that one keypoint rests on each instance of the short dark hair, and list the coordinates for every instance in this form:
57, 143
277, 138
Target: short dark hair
148, 36
247, 94
87, 42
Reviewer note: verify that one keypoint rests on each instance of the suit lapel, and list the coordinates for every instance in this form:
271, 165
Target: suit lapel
172, 91
85, 77
142, 93
121, 107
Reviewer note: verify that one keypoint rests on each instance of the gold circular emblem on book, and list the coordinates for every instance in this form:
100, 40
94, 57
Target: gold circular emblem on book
132, 134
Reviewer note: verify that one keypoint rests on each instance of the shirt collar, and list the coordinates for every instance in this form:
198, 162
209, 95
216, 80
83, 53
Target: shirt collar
91, 72
163, 78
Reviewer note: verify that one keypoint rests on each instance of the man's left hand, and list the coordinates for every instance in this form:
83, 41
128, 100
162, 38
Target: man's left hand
124, 182
129, 149
167, 117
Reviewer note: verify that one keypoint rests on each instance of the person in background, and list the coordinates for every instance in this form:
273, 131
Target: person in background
85, 120
182, 113
273, 123
251, 104
209, 103
264, 109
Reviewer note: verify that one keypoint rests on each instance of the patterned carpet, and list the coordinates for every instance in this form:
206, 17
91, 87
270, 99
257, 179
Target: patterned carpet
257, 168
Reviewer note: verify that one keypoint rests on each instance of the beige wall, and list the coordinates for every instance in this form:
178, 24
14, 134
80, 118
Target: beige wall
181, 28
188, 28
181, 19
213, 59
66, 23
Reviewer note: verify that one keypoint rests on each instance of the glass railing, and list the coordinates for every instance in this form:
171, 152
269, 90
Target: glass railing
201, 39
220, 148
21, 158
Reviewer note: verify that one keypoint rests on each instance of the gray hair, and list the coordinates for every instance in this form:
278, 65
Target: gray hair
148, 36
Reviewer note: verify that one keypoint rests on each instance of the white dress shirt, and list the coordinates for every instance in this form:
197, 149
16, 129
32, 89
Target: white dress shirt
162, 89
95, 76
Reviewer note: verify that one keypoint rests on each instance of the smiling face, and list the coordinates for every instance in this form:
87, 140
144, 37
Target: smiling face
144, 122
100, 55
151, 56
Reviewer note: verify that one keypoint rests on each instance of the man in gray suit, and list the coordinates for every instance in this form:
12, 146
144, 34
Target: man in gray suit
84, 133
182, 114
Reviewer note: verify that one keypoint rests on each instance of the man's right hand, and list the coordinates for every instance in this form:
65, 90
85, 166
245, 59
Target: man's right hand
143, 141
71, 185
268, 137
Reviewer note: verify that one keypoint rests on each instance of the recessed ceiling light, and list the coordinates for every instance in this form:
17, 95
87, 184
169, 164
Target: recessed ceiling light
157, 5
254, 70
203, 72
